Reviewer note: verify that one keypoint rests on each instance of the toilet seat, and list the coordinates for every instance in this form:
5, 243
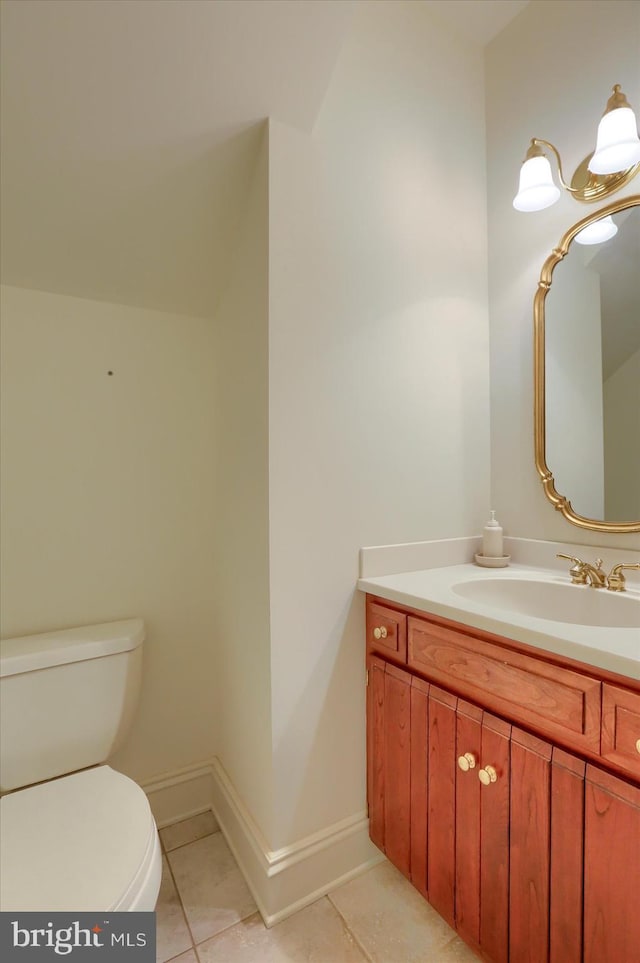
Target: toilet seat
85, 842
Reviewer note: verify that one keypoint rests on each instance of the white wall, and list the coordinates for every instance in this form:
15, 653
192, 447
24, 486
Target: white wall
378, 366
241, 685
106, 488
221, 482
622, 440
559, 96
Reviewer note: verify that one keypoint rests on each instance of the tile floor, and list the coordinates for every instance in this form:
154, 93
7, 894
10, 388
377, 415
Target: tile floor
206, 914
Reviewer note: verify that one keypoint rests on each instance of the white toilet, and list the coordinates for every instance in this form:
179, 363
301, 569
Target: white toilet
85, 841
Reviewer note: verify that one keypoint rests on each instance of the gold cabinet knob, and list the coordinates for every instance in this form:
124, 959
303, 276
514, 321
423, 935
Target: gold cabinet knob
487, 775
638, 744
467, 762
380, 632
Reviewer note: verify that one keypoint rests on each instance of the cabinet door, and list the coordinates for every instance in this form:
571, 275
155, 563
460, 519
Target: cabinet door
419, 782
529, 848
567, 860
375, 749
468, 748
397, 768
494, 840
389, 761
612, 869
442, 801
482, 830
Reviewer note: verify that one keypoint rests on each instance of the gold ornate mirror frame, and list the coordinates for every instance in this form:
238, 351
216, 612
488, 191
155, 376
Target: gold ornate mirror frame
561, 503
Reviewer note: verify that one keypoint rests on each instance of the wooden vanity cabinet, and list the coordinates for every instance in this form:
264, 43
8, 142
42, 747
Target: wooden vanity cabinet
389, 761
540, 861
530, 854
621, 728
612, 868
387, 632
567, 864
482, 831
556, 701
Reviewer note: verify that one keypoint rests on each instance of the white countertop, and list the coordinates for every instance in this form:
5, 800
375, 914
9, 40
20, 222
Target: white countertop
431, 591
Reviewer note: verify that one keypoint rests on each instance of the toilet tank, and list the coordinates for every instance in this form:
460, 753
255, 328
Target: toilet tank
66, 699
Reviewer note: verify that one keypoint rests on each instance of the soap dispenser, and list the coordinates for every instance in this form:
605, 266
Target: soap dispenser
492, 538
492, 555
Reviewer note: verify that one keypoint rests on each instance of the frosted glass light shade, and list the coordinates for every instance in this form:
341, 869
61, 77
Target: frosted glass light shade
597, 232
536, 189
617, 144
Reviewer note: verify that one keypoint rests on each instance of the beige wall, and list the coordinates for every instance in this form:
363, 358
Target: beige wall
548, 74
241, 683
221, 482
106, 494
378, 364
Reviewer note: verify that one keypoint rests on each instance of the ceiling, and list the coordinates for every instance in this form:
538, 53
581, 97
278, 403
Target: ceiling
477, 20
130, 132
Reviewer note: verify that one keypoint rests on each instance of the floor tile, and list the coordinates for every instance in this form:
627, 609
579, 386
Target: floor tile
187, 831
391, 920
457, 951
188, 957
172, 932
211, 887
316, 933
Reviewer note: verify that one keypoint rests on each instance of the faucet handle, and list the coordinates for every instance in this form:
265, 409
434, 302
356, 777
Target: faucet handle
616, 580
577, 571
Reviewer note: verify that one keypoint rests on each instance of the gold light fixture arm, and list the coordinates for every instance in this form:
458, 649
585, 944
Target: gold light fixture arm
585, 186
534, 151
617, 143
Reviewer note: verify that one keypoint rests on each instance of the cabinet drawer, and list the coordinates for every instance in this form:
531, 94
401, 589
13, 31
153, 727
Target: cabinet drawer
387, 632
621, 728
555, 701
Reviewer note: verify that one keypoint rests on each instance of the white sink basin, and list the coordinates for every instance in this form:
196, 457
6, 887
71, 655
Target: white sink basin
555, 601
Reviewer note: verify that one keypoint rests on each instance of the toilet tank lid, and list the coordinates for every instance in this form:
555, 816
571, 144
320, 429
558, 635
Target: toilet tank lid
30, 652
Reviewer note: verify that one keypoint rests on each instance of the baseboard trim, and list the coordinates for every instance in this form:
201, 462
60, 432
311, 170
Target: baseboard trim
178, 795
324, 889
285, 880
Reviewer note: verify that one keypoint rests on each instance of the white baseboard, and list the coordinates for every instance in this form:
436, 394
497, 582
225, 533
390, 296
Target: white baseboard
178, 795
285, 880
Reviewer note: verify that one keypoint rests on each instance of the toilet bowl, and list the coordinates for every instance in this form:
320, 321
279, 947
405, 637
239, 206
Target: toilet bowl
75, 835
85, 842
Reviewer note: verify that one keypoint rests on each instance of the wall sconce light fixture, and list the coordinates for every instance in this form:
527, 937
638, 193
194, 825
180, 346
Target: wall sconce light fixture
614, 162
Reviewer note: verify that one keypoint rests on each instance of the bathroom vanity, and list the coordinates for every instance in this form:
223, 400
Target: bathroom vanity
504, 774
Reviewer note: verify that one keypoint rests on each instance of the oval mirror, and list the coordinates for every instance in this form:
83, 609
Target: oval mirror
587, 371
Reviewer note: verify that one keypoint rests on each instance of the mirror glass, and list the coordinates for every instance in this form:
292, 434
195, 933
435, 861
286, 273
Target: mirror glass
591, 373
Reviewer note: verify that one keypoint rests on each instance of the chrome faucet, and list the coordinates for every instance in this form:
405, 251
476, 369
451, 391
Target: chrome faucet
584, 573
